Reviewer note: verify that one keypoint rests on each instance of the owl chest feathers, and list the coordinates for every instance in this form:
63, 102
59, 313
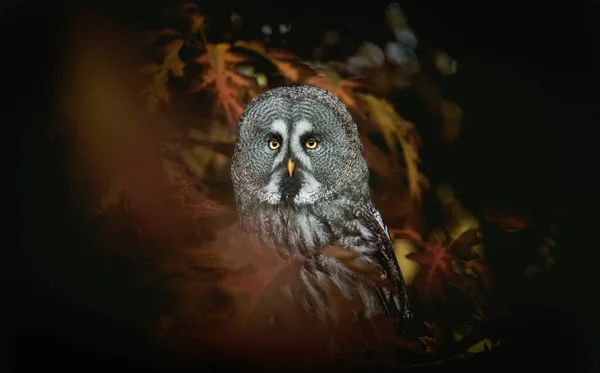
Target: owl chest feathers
299, 231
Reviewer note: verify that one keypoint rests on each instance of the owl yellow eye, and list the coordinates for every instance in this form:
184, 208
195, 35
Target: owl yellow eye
274, 144
311, 143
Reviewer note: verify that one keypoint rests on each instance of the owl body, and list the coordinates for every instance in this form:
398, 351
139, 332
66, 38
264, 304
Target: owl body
301, 185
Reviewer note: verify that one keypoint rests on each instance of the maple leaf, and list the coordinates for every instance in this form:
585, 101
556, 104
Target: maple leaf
342, 88
435, 264
396, 129
284, 61
195, 17
156, 92
220, 74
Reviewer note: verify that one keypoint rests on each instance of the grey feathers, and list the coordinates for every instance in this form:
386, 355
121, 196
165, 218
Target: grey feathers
301, 184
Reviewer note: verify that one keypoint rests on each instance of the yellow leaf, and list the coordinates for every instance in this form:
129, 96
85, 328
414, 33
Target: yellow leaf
464, 223
262, 80
172, 62
478, 251
482, 346
444, 63
396, 129
409, 268
342, 88
220, 73
457, 336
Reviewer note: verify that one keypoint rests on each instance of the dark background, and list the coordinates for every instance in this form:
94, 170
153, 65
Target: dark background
527, 74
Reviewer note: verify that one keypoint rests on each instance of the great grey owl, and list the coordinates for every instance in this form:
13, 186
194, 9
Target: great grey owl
301, 184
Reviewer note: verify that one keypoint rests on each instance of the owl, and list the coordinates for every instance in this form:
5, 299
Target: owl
301, 184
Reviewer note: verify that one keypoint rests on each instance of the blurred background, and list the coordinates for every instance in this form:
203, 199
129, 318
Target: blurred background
476, 123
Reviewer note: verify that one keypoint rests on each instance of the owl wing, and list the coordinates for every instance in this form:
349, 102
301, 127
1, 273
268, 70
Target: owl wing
396, 303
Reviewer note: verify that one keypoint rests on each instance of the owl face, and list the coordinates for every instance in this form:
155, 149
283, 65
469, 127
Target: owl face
294, 148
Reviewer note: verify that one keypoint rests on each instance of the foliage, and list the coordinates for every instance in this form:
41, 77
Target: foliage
218, 281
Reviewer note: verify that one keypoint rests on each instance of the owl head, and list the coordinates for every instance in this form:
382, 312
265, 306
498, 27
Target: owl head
297, 146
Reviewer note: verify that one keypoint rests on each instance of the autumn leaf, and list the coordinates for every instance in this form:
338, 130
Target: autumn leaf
466, 222
196, 19
342, 88
435, 271
284, 61
156, 92
483, 345
409, 269
220, 74
395, 129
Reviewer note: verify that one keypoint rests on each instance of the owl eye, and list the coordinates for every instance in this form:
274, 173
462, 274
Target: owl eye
311, 143
274, 144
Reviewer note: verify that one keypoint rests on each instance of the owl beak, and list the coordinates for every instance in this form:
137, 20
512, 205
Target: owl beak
290, 167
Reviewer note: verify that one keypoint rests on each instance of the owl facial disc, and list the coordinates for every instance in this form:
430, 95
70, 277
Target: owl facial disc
297, 146
291, 181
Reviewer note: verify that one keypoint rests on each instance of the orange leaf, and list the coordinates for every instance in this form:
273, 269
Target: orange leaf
342, 88
220, 74
435, 270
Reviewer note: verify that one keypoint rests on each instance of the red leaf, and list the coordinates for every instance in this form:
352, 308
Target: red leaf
435, 271
508, 220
